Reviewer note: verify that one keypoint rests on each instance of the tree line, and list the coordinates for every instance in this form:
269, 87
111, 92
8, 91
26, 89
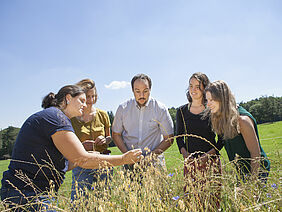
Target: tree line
264, 109
7, 140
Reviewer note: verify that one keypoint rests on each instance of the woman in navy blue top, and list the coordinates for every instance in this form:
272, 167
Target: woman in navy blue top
45, 141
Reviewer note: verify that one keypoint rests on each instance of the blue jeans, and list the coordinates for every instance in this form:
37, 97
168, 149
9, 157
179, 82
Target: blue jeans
26, 200
85, 179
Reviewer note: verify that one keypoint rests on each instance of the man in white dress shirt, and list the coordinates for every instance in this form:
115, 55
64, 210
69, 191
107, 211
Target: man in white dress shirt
143, 122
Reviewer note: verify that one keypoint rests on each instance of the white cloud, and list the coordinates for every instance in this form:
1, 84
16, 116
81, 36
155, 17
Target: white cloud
114, 85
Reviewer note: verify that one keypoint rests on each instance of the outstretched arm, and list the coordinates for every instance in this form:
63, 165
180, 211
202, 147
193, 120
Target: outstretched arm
72, 149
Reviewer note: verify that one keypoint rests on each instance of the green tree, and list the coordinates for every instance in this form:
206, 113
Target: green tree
111, 117
8, 140
265, 109
172, 112
257, 110
1, 149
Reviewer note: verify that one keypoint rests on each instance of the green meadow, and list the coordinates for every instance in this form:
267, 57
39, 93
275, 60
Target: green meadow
171, 196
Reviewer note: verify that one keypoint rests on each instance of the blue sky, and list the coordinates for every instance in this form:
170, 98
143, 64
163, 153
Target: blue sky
47, 44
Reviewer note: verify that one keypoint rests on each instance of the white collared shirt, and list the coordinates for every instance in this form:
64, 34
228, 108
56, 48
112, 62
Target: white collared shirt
142, 127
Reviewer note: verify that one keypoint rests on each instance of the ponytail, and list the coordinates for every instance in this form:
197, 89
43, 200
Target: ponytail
49, 101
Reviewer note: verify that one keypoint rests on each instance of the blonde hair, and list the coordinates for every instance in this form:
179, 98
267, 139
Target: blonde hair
86, 85
226, 120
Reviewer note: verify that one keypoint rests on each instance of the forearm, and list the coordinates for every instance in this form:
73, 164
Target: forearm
96, 161
72, 149
164, 145
184, 152
180, 143
205, 156
180, 132
211, 152
255, 165
252, 143
119, 142
108, 135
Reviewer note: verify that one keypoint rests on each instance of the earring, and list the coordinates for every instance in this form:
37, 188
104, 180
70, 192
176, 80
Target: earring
68, 102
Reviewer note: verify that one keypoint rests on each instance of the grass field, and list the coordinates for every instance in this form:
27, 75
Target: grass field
271, 141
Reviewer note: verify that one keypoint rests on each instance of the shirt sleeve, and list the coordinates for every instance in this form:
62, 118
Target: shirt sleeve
166, 123
179, 130
55, 121
117, 123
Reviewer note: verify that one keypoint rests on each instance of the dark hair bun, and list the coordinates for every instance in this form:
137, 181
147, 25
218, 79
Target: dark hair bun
49, 100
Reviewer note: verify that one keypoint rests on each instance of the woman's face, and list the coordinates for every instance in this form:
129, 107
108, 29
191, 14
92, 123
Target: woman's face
76, 105
90, 97
196, 89
212, 104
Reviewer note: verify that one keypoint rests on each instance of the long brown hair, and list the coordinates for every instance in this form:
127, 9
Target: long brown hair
225, 121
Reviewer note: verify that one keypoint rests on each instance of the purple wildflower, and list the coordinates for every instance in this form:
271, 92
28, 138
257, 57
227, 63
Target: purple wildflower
268, 195
170, 174
175, 198
274, 186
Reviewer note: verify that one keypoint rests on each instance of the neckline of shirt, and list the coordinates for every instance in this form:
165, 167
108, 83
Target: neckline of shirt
146, 105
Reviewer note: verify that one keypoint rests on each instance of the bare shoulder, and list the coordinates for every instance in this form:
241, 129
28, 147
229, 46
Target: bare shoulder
245, 122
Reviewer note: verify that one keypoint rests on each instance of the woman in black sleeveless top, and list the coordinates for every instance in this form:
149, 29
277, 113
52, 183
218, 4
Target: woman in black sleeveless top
199, 147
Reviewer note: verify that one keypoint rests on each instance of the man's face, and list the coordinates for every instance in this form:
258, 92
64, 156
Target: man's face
141, 91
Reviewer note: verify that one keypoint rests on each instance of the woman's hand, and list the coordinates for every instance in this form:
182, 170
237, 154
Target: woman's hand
184, 153
203, 159
88, 145
100, 140
132, 156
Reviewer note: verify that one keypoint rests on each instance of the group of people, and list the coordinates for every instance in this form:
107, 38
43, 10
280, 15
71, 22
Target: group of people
212, 110
70, 133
